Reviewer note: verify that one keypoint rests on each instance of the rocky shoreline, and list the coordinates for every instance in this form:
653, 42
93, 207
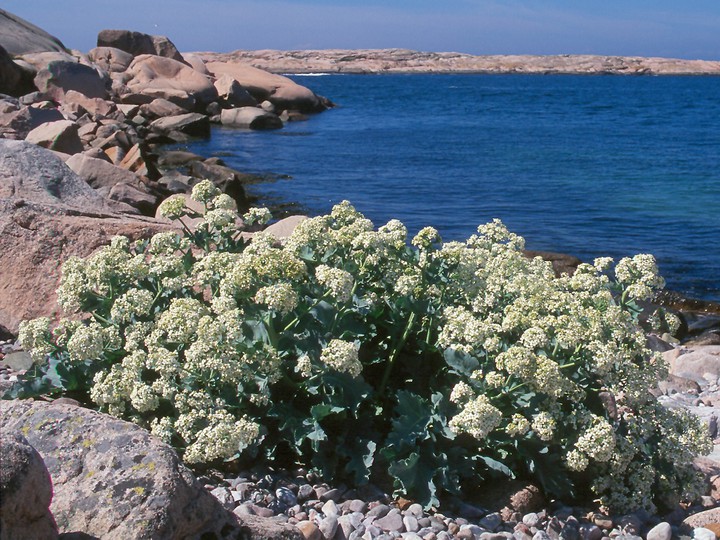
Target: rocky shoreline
81, 160
375, 61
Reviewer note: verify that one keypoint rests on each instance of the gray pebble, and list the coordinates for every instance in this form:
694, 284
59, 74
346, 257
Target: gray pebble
531, 519
378, 511
334, 494
305, 492
328, 526
590, 532
415, 509
411, 523
225, 497
393, 521
410, 536
661, 531
701, 533
330, 508
491, 522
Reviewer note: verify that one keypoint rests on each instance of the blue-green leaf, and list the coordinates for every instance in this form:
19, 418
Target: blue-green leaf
415, 477
460, 362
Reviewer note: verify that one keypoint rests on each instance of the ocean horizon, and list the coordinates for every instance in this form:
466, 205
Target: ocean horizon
588, 166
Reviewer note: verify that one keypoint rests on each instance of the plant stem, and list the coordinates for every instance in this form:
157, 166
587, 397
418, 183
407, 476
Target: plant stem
396, 352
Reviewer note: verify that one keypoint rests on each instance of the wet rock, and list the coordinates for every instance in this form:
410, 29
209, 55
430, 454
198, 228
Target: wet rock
250, 118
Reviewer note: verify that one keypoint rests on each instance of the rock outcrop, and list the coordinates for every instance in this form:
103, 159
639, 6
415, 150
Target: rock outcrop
48, 213
137, 43
18, 36
113, 480
409, 61
25, 490
281, 91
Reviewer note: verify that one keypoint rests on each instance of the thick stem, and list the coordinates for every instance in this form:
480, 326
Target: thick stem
396, 351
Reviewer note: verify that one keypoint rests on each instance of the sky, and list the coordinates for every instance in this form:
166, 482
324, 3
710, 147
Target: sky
679, 29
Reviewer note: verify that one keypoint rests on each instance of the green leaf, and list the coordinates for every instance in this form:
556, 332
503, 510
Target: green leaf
415, 477
345, 391
362, 455
324, 313
495, 465
460, 362
323, 410
413, 415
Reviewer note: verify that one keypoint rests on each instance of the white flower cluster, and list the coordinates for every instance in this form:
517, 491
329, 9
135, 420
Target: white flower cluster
132, 305
257, 215
639, 275
35, 336
342, 356
477, 418
280, 297
173, 207
338, 282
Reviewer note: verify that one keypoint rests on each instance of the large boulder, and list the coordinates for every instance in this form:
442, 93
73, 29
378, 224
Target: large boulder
156, 76
60, 76
194, 124
17, 36
14, 80
281, 91
61, 136
111, 59
250, 118
232, 94
17, 120
25, 490
113, 480
137, 43
48, 213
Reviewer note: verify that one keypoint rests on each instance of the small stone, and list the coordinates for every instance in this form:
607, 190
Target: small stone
411, 524
356, 505
378, 511
701, 533
286, 497
491, 522
330, 508
571, 530
661, 531
604, 522
415, 509
410, 536
392, 521
309, 530
263, 512
328, 526
531, 519
453, 528
429, 536
334, 494
540, 535
225, 496
244, 510
590, 532
305, 492
19, 361
630, 524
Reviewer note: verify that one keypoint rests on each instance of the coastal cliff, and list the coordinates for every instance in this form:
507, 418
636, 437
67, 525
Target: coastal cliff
408, 61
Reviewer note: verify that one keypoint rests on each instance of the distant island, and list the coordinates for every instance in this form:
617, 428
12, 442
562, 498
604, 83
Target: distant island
408, 61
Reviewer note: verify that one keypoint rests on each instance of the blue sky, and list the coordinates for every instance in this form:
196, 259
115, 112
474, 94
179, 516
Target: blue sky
683, 29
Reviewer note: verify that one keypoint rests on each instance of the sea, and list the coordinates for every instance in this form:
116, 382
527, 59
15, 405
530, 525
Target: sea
585, 165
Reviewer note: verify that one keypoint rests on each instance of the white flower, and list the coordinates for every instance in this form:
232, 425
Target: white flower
280, 297
173, 207
257, 215
342, 356
86, 343
35, 336
639, 275
426, 238
517, 426
461, 393
204, 191
339, 282
133, 304
478, 418
544, 426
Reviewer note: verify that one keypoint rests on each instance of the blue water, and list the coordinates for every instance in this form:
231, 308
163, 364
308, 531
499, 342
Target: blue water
590, 166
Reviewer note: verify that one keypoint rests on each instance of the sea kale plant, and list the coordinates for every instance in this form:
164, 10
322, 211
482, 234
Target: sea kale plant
351, 350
